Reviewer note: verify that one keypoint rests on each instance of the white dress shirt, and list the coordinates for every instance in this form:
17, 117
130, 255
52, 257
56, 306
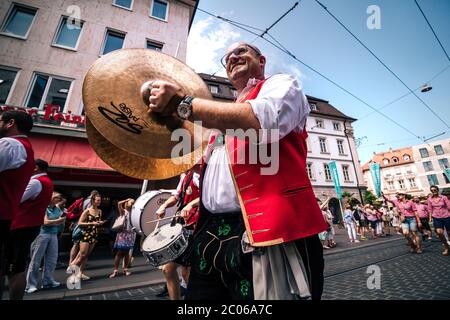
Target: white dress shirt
12, 153
280, 105
33, 188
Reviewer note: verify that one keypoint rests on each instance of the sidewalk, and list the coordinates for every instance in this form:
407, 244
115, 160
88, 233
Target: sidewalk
100, 266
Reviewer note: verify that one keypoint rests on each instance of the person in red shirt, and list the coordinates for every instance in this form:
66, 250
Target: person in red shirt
26, 226
186, 196
16, 168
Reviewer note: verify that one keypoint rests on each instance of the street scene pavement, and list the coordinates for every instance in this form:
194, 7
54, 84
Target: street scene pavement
350, 269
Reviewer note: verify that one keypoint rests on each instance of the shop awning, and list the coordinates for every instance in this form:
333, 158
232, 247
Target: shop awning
67, 152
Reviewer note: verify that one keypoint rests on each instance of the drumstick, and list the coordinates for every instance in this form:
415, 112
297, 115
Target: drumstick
157, 220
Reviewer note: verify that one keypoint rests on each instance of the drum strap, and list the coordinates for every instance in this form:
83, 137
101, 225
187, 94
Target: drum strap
184, 186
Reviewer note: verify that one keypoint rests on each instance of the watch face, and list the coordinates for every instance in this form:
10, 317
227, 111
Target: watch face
184, 111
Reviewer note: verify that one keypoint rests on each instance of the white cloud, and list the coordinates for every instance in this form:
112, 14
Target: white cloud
207, 43
279, 63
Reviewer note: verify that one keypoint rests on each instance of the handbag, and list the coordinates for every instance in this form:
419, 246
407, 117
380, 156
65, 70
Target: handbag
120, 223
77, 232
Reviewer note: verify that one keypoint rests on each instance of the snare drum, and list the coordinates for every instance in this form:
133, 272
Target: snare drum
144, 209
165, 244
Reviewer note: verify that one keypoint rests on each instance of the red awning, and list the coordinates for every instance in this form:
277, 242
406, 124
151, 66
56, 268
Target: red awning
66, 152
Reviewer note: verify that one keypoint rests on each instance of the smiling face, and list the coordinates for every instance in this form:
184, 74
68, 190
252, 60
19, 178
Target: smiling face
243, 62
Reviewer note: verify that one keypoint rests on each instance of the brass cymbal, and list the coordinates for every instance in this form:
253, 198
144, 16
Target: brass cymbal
114, 105
138, 166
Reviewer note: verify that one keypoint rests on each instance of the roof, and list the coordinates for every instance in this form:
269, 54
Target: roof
397, 153
324, 108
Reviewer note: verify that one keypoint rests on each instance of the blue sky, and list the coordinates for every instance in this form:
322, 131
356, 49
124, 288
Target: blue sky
404, 43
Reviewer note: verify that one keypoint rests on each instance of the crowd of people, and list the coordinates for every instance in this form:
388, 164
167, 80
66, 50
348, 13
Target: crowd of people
415, 218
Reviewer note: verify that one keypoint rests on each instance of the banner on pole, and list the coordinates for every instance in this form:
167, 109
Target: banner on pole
335, 175
376, 178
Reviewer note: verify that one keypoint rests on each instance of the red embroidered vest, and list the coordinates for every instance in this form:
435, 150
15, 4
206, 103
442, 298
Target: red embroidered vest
13, 183
191, 192
281, 207
31, 212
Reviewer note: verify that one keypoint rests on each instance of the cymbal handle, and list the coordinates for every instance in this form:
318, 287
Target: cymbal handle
145, 92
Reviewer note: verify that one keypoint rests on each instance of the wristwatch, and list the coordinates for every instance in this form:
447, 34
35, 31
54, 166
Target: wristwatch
184, 109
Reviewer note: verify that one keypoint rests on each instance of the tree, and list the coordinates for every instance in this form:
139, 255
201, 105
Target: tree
348, 198
369, 197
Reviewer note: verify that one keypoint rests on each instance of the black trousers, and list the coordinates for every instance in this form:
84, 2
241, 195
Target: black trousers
221, 271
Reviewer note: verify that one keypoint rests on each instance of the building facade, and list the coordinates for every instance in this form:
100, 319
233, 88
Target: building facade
431, 159
398, 172
46, 48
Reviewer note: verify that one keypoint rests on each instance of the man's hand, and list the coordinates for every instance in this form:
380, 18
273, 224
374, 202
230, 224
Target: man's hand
161, 212
185, 211
164, 97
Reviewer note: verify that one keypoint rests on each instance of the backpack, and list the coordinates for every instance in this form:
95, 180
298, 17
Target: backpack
75, 210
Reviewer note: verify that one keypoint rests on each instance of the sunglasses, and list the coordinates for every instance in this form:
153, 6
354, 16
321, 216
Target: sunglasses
239, 51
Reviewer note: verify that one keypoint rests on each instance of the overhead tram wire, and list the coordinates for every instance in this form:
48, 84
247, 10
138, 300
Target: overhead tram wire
379, 60
286, 51
402, 140
432, 30
405, 95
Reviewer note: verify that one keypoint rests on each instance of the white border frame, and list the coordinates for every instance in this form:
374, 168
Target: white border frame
47, 86
107, 30
13, 86
58, 29
167, 11
6, 19
122, 7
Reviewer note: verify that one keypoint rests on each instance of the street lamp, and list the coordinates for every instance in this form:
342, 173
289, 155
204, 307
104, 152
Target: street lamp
426, 88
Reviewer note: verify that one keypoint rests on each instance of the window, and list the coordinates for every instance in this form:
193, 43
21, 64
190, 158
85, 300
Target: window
386, 161
424, 153
154, 45
323, 145
391, 185
327, 171
406, 157
340, 144
446, 179
401, 183
127, 4
313, 106
19, 21
214, 89
337, 126
319, 123
438, 149
428, 166
309, 170
7, 78
412, 183
432, 180
68, 33
159, 9
234, 92
346, 173
443, 163
395, 159
113, 41
48, 90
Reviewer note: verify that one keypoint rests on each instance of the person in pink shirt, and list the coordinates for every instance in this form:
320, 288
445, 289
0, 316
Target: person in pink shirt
439, 207
372, 218
410, 220
424, 216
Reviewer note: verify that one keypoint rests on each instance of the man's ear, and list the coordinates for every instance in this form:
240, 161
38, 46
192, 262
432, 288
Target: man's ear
262, 61
11, 123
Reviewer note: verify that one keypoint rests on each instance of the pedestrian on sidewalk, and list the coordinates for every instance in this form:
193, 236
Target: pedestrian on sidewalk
363, 222
45, 246
372, 218
124, 239
439, 206
90, 221
85, 204
396, 223
350, 223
